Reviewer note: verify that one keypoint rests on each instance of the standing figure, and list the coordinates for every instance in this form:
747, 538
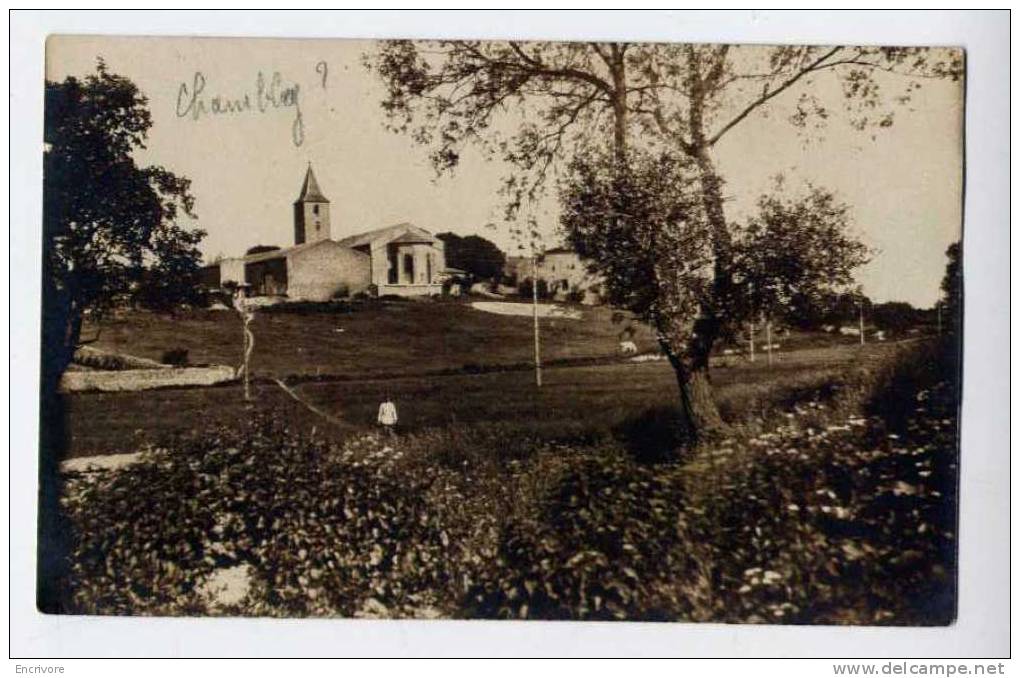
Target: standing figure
388, 416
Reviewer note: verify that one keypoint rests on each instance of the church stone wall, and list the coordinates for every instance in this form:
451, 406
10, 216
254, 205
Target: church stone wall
325, 271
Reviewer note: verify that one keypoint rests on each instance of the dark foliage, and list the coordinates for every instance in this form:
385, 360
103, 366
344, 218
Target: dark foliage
794, 250
524, 289
896, 317
177, 357
106, 223
607, 541
952, 290
478, 256
321, 530
261, 249
848, 520
110, 227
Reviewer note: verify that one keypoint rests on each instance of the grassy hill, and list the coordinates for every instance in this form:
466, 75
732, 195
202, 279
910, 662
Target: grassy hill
373, 338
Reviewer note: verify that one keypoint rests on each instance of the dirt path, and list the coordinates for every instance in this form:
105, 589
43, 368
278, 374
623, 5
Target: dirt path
516, 308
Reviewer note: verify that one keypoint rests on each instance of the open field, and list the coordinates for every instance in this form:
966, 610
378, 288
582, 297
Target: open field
441, 362
573, 400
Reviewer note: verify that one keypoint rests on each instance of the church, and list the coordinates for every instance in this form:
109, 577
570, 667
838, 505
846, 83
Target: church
401, 259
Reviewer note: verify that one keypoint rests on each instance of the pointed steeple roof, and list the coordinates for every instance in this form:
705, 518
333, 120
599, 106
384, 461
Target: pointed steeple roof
310, 191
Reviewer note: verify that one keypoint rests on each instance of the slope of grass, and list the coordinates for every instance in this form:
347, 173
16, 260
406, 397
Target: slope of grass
368, 339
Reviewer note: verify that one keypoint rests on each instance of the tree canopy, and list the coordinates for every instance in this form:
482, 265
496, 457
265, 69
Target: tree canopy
952, 289
794, 250
474, 254
110, 227
542, 107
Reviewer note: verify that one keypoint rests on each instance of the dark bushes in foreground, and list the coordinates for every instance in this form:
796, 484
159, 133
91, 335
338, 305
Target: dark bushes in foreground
840, 518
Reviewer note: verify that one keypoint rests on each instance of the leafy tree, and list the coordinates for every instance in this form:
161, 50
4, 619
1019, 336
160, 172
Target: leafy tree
793, 251
110, 232
844, 308
639, 225
829, 307
477, 255
952, 290
110, 227
895, 316
673, 99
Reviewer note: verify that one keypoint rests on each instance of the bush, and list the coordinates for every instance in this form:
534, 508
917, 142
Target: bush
313, 307
839, 518
178, 357
322, 529
607, 540
524, 289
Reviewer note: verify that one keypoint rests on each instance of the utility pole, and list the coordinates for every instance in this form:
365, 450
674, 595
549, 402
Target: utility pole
534, 315
247, 314
751, 339
750, 323
861, 321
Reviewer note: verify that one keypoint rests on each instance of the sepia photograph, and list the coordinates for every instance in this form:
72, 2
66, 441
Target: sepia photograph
501, 330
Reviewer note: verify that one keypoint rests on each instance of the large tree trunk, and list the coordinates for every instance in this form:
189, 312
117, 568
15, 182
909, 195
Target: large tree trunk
618, 69
692, 367
690, 361
699, 414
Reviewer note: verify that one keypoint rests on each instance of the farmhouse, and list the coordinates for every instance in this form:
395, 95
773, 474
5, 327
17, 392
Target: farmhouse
561, 268
401, 259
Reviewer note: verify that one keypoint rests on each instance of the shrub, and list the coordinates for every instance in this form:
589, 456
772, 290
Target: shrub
524, 289
837, 518
178, 357
606, 540
575, 295
322, 528
313, 307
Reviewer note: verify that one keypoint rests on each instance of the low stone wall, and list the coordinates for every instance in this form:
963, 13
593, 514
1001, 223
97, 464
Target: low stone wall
140, 380
410, 290
94, 357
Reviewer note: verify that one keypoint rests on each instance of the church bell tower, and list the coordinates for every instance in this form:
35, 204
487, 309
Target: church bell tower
311, 212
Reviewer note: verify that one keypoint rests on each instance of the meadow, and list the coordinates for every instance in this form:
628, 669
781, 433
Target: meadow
441, 363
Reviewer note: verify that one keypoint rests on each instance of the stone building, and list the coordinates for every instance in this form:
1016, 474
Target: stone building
406, 260
401, 259
561, 268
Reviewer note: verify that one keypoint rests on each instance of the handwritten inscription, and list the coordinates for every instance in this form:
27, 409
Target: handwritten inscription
270, 94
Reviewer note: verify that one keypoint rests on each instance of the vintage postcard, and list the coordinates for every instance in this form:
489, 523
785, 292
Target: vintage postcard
501, 330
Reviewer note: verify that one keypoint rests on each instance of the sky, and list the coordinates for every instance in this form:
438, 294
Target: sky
904, 186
